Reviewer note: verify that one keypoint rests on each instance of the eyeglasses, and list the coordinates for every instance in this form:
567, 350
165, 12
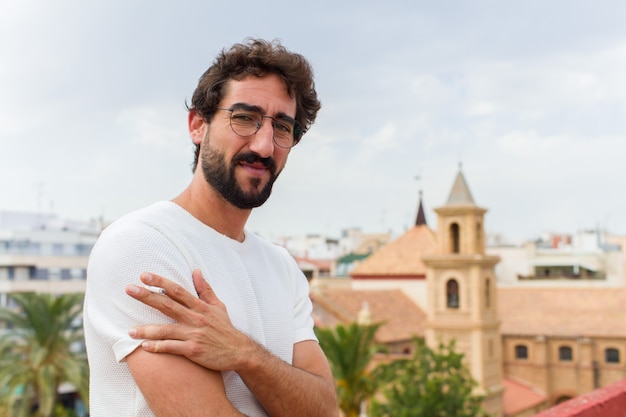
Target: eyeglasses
246, 122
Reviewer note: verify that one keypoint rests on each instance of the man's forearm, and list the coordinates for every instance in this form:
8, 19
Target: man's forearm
204, 334
285, 390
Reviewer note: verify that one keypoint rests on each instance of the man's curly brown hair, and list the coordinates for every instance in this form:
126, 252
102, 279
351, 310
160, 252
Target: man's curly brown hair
257, 57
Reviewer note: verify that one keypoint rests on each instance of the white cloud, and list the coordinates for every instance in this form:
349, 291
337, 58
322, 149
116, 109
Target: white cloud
530, 144
92, 105
154, 127
481, 108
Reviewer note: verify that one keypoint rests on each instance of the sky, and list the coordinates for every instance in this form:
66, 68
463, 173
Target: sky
527, 97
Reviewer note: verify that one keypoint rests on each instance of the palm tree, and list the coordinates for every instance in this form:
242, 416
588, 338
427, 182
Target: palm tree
349, 350
38, 352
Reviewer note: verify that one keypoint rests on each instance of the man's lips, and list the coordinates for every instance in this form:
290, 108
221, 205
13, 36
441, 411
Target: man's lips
254, 164
255, 169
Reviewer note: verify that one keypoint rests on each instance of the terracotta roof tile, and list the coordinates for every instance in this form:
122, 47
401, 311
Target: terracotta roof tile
402, 318
403, 256
519, 397
591, 312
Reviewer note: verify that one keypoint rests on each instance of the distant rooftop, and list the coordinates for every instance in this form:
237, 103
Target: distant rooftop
599, 312
400, 258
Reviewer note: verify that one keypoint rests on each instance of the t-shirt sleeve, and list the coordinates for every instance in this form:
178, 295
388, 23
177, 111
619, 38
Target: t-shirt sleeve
303, 308
121, 254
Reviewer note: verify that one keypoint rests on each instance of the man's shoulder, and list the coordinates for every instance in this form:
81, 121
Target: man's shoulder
261, 244
162, 212
149, 213
258, 240
136, 224
152, 232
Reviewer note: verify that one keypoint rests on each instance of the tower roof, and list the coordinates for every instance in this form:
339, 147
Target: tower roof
402, 257
460, 194
421, 217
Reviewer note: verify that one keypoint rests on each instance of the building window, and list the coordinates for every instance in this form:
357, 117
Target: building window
521, 352
77, 273
452, 294
83, 249
455, 238
565, 354
611, 355
57, 249
41, 274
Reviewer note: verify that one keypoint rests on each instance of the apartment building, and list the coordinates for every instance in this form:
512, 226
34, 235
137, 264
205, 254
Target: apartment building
43, 253
586, 258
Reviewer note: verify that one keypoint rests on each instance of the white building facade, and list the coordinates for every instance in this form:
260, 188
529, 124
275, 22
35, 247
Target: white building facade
586, 258
42, 253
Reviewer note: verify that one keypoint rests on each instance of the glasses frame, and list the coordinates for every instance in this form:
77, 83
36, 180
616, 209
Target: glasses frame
297, 127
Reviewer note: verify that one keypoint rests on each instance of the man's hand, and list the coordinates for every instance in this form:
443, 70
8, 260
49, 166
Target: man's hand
203, 332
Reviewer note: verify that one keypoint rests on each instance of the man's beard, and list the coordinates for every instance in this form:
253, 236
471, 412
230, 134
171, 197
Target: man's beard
222, 177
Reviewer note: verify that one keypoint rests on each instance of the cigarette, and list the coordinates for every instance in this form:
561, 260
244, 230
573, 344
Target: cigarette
156, 290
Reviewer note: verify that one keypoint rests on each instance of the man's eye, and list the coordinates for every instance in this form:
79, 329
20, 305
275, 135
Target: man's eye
282, 127
244, 117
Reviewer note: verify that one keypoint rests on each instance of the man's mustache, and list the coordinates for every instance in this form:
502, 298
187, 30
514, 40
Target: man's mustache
251, 158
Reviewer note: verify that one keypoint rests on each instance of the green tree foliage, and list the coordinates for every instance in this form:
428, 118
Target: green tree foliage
36, 353
433, 383
349, 350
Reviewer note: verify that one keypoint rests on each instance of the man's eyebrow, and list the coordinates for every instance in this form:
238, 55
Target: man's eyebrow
285, 117
259, 109
246, 106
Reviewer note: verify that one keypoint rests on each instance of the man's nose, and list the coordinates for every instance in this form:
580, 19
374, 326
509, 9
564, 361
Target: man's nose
262, 142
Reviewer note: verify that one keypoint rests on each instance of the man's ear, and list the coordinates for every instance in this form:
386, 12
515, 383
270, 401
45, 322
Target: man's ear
197, 127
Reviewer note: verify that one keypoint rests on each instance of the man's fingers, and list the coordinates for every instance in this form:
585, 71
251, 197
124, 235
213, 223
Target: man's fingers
174, 347
204, 290
156, 332
141, 293
175, 301
164, 338
163, 303
171, 289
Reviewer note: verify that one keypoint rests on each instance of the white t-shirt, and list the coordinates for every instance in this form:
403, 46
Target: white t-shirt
266, 295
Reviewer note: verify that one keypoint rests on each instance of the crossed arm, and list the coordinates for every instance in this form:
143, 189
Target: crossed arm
178, 367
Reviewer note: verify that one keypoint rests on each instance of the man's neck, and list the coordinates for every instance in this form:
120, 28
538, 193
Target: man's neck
206, 205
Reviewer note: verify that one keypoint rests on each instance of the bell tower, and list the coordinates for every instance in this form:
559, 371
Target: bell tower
461, 285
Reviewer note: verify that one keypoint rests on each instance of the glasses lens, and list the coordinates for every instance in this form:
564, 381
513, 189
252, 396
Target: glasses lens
284, 133
245, 123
